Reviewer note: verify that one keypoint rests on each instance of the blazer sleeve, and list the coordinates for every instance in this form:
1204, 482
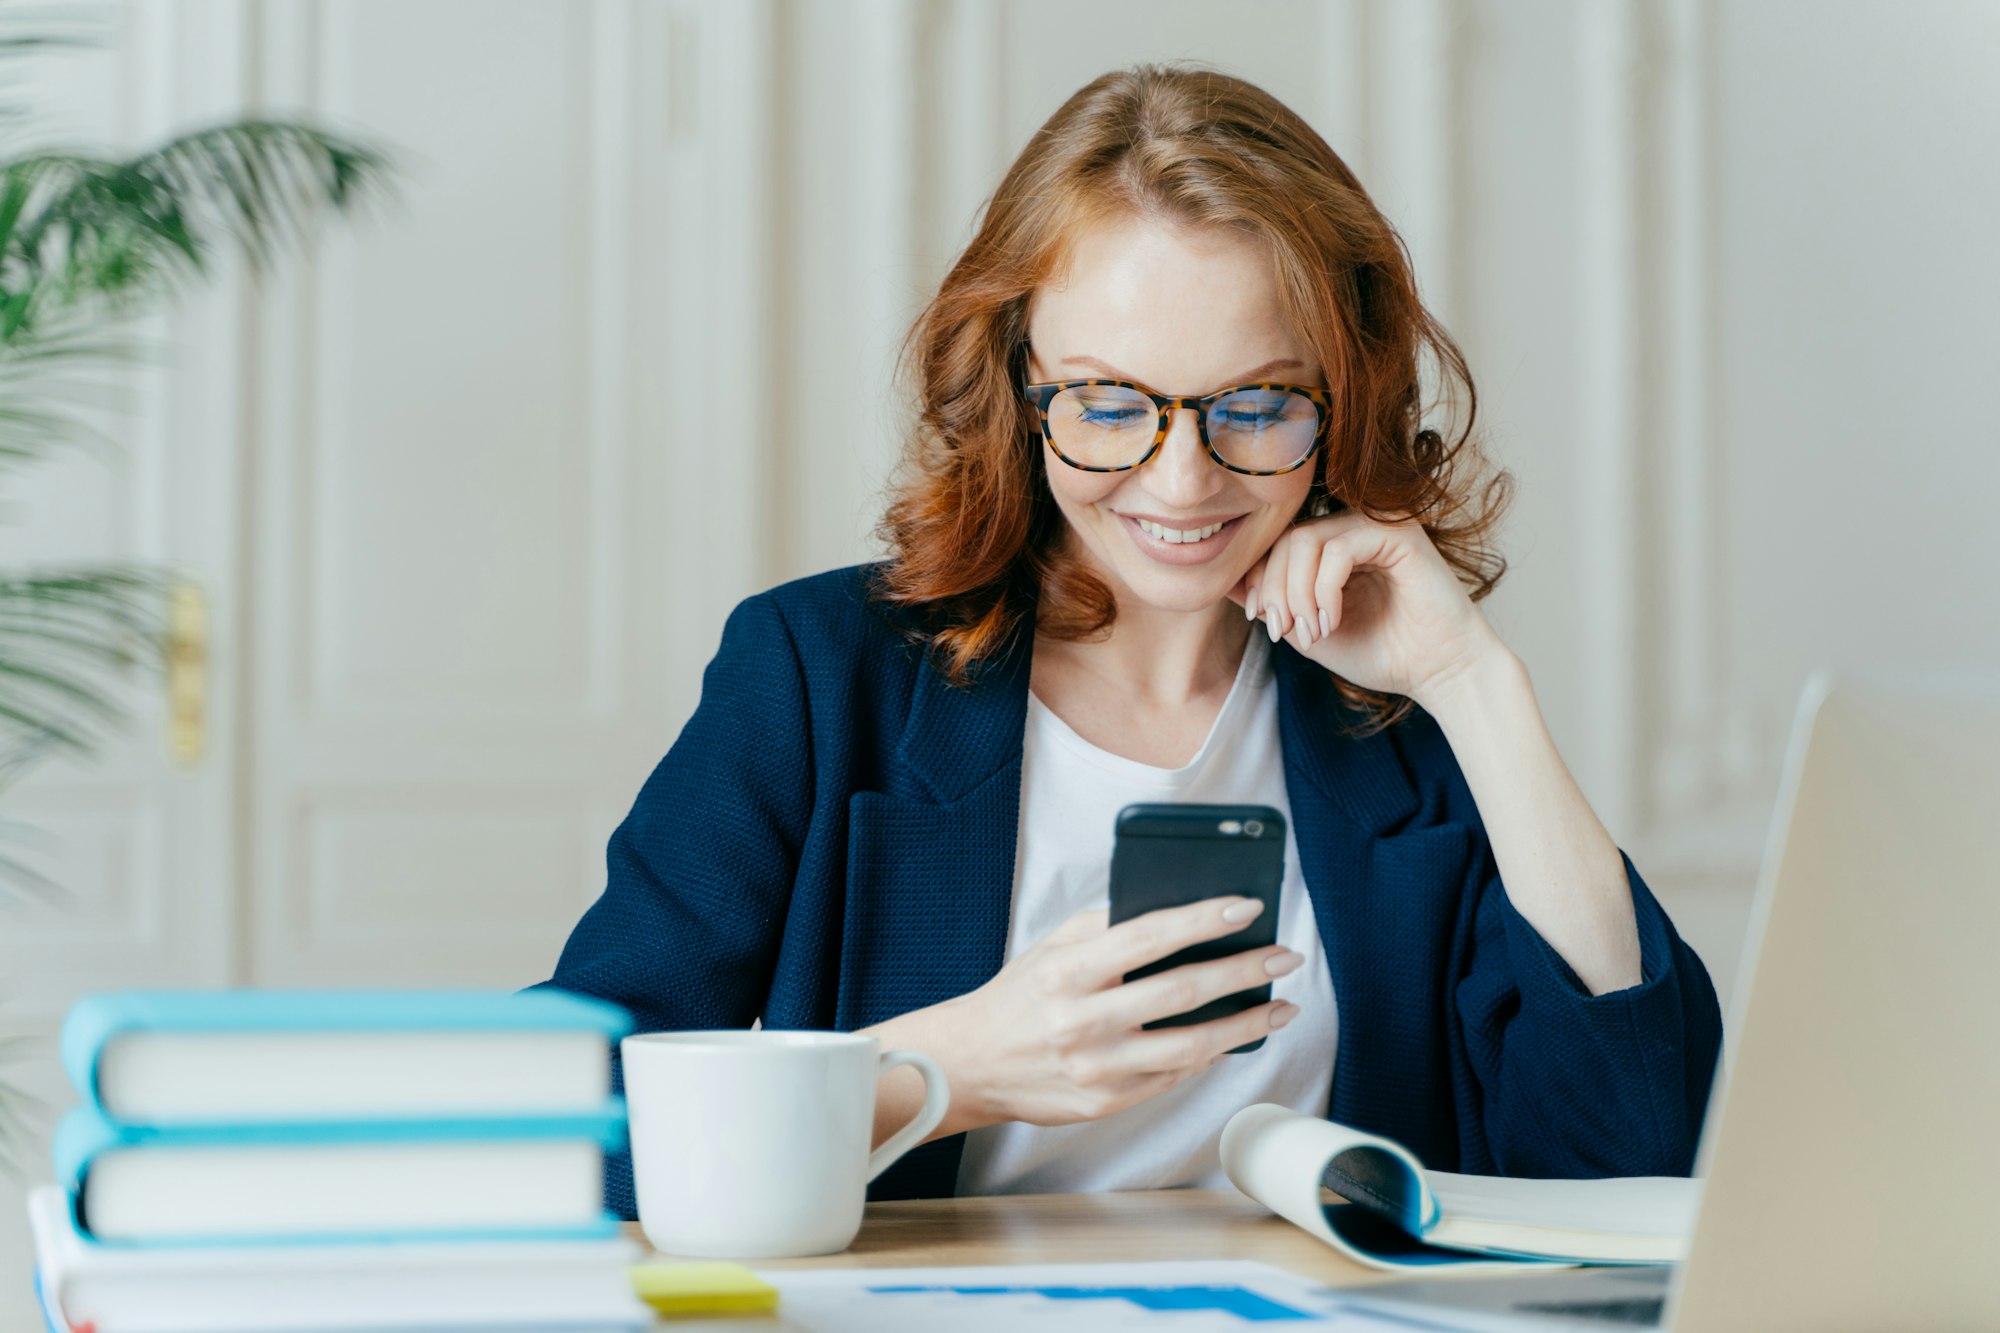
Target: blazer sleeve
1579, 1085
699, 873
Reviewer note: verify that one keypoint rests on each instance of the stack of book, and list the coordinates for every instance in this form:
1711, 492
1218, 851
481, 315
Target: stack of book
271, 1160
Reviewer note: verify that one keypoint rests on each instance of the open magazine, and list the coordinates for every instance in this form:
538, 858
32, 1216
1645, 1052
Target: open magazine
1399, 1216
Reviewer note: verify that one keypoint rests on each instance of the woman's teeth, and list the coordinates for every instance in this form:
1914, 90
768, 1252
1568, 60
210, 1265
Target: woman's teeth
1178, 535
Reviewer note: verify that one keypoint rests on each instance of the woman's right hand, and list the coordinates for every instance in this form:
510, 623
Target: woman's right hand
1057, 1035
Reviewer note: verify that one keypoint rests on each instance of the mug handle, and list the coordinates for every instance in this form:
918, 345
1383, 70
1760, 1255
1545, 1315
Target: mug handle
937, 1097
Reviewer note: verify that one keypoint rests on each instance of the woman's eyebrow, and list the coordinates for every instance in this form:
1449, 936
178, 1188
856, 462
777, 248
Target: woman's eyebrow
1255, 373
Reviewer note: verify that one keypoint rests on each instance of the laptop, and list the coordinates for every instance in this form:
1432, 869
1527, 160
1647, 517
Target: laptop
1850, 1157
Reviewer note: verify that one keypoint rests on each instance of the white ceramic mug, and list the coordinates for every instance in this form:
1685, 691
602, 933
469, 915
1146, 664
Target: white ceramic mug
754, 1144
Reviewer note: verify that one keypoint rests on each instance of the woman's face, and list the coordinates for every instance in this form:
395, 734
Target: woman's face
1182, 312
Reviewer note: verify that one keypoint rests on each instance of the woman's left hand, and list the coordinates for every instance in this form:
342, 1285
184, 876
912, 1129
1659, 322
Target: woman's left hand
1371, 601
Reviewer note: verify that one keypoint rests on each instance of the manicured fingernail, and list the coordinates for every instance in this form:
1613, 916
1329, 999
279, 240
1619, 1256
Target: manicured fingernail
1271, 624
1243, 911
1250, 604
1278, 964
1325, 623
1284, 1014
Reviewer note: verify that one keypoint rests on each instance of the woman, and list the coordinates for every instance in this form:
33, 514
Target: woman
892, 810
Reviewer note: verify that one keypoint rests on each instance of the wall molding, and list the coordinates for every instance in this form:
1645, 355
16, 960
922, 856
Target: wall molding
1609, 429
1697, 773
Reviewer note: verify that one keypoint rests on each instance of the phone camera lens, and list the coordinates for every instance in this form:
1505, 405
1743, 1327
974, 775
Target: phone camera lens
1254, 827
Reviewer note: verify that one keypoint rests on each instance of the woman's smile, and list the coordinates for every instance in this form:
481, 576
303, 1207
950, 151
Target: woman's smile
1193, 541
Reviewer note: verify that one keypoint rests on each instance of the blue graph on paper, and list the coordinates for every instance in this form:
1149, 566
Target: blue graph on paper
1244, 1304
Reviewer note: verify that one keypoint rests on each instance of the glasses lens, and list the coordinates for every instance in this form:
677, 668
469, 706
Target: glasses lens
1263, 430
1103, 425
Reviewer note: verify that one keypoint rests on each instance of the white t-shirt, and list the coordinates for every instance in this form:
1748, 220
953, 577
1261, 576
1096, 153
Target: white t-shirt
1071, 792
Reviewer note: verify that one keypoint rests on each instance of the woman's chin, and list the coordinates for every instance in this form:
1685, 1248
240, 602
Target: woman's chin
1184, 590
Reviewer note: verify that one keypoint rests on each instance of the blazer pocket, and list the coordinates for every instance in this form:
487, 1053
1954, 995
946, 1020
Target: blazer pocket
929, 891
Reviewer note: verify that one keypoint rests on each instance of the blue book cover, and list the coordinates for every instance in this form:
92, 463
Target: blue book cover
97, 1019
84, 1135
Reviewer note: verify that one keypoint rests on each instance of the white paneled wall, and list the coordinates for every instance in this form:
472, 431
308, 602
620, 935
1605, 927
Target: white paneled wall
447, 672
471, 491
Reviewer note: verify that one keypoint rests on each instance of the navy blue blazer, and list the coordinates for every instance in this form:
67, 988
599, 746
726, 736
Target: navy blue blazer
830, 843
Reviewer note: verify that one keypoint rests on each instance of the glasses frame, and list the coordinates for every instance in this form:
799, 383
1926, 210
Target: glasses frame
1041, 395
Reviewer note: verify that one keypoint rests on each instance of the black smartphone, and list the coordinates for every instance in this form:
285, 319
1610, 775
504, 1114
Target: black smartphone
1167, 855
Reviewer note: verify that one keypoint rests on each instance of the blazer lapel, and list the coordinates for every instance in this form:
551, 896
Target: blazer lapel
1383, 887
1362, 776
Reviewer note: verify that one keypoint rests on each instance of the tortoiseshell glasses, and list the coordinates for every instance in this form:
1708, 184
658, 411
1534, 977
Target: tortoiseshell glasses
1260, 430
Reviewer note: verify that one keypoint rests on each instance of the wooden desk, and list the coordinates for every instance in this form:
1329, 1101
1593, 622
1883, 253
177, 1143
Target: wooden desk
1082, 1228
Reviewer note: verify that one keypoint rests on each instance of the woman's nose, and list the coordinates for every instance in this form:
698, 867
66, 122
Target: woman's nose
1183, 475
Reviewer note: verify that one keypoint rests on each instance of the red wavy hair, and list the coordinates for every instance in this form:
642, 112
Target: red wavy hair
976, 541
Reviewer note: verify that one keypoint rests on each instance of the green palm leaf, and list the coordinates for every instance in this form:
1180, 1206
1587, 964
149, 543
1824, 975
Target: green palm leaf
87, 244
64, 635
76, 228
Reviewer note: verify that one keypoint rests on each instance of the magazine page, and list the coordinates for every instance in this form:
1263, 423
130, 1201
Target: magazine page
1626, 1219
1281, 1159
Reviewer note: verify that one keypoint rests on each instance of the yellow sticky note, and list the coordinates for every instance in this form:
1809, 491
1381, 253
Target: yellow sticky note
702, 1289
